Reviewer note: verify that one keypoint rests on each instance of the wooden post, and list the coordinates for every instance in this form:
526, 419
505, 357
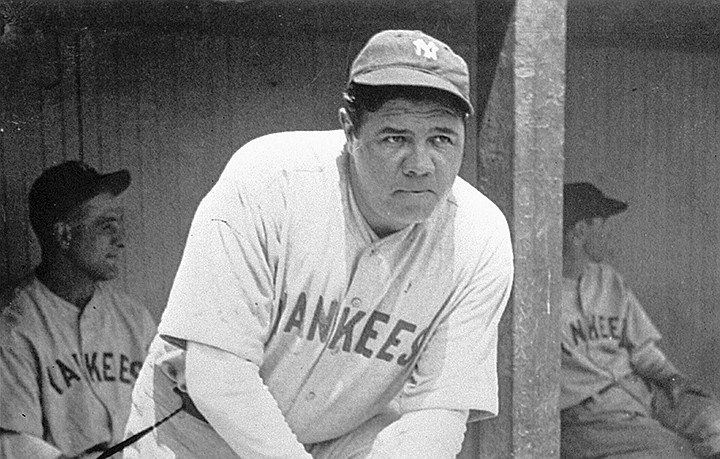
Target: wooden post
520, 167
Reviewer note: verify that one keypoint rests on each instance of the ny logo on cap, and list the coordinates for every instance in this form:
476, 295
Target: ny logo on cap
426, 49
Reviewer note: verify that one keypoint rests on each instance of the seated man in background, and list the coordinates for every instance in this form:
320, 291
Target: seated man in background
620, 396
71, 346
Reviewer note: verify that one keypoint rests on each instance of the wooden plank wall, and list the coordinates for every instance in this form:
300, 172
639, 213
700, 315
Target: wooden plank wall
644, 125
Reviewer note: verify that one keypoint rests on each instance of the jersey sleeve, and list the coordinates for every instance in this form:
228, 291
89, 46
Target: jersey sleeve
20, 408
222, 295
641, 338
147, 326
458, 368
639, 330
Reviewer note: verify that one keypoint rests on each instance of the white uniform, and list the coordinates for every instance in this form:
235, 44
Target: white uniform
281, 269
68, 379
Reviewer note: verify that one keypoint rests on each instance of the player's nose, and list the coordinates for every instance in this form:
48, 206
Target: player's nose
119, 236
419, 160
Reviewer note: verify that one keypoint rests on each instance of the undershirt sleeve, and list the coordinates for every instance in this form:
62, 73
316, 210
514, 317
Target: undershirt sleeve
228, 391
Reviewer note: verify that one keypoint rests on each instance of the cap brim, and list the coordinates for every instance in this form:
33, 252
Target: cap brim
574, 211
613, 207
409, 77
114, 182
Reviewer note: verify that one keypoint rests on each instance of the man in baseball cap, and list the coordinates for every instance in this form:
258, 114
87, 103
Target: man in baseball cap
620, 395
583, 200
411, 58
71, 345
63, 188
340, 291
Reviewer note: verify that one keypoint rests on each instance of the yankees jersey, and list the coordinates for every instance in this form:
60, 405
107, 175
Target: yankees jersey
281, 269
602, 325
67, 377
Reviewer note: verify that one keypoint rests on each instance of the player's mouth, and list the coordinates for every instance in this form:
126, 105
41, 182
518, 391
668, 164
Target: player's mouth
418, 193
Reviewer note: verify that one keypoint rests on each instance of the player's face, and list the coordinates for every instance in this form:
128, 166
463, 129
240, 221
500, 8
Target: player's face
403, 162
97, 238
598, 242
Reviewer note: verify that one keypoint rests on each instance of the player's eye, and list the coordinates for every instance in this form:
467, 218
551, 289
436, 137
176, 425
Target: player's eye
442, 140
395, 139
110, 227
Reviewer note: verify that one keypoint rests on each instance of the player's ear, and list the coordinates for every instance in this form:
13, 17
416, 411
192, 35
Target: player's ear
580, 230
62, 233
346, 124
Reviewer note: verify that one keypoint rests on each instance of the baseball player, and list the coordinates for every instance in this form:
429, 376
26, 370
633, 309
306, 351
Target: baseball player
340, 291
71, 346
620, 395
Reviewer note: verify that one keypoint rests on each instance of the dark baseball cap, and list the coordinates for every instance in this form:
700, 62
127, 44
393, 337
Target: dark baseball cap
584, 200
411, 58
62, 188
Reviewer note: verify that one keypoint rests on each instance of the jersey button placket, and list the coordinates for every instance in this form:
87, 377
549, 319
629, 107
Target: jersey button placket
365, 277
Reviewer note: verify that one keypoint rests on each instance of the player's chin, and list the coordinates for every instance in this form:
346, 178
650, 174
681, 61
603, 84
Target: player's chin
411, 214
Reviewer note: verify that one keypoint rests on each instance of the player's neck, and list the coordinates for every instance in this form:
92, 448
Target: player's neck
68, 284
574, 264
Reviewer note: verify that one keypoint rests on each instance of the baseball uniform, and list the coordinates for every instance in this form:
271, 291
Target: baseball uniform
282, 270
602, 323
66, 377
608, 342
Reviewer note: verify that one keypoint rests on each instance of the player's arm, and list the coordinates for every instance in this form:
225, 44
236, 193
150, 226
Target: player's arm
20, 406
422, 434
646, 358
650, 362
228, 391
653, 366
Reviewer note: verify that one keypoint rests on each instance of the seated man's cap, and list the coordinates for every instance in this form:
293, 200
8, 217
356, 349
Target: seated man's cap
62, 188
584, 200
411, 58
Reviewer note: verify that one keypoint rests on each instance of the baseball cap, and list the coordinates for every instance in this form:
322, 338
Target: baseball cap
64, 187
583, 200
411, 58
